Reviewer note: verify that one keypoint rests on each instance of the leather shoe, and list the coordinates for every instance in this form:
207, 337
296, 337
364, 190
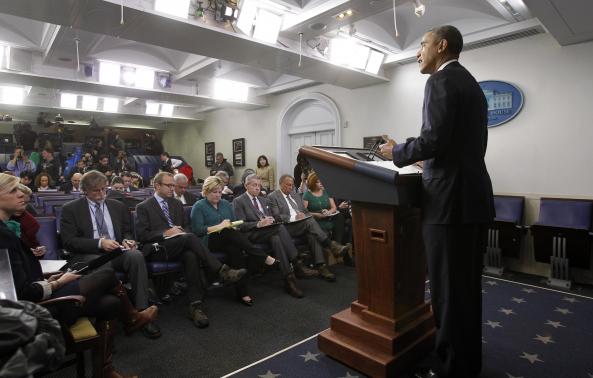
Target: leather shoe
151, 331
291, 287
229, 275
425, 373
141, 319
302, 271
248, 303
198, 316
325, 273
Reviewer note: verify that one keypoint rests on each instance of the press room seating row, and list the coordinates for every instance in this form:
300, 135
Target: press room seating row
561, 236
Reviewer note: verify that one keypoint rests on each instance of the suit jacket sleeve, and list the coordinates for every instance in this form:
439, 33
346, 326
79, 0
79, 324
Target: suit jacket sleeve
143, 226
437, 127
240, 212
126, 231
276, 208
72, 237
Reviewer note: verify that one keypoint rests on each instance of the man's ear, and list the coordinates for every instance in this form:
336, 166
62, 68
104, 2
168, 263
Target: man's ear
443, 44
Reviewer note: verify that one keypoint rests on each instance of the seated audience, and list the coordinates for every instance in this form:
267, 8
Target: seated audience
259, 228
301, 172
43, 182
29, 226
27, 179
221, 164
181, 193
227, 192
122, 163
266, 173
161, 226
323, 208
288, 207
105, 295
80, 167
211, 219
104, 167
117, 184
169, 164
240, 188
93, 225
73, 186
20, 163
127, 180
49, 165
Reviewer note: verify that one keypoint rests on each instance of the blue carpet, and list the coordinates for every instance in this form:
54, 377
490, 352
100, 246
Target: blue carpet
528, 332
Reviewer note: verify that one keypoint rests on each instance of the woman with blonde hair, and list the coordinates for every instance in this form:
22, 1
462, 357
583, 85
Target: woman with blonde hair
211, 219
105, 295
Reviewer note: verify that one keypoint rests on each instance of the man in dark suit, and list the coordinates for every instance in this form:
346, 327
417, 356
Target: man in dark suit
127, 179
161, 221
93, 225
457, 200
180, 193
258, 224
288, 207
73, 185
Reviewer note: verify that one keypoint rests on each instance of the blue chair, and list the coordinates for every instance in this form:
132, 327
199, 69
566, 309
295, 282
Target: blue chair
504, 235
47, 236
58, 215
562, 237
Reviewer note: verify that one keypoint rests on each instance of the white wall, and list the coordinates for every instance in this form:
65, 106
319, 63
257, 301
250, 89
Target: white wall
544, 151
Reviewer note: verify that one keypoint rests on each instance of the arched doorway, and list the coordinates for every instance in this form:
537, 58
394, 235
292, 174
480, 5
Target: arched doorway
311, 119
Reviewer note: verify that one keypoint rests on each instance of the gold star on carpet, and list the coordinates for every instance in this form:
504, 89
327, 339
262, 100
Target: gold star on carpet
507, 311
533, 358
544, 339
563, 311
493, 324
570, 299
554, 324
310, 356
518, 300
269, 374
528, 291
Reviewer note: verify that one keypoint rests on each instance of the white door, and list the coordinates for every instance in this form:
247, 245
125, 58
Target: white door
322, 138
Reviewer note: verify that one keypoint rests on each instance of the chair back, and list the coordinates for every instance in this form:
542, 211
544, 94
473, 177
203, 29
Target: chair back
47, 236
509, 208
566, 213
7, 290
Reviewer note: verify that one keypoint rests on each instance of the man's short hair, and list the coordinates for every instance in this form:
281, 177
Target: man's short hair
284, 177
103, 157
222, 174
219, 154
158, 179
251, 177
180, 177
453, 37
28, 174
166, 154
92, 180
126, 174
117, 180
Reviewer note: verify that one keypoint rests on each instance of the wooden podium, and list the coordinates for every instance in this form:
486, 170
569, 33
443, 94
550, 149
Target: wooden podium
390, 327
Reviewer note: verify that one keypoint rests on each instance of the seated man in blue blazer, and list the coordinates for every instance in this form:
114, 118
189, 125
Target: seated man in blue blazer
93, 225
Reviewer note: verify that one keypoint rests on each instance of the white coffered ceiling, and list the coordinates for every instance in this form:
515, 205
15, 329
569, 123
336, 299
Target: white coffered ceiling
43, 36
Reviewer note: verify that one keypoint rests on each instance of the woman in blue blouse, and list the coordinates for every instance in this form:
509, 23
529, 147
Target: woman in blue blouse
211, 219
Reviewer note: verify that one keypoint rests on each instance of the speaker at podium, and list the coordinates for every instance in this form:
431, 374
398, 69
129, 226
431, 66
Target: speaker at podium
390, 326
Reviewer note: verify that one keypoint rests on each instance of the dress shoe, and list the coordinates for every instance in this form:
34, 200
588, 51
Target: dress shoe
302, 271
337, 249
198, 316
291, 287
151, 331
248, 303
140, 319
325, 273
229, 275
348, 257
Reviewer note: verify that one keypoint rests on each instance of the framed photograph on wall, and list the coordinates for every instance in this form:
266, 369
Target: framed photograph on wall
209, 153
239, 152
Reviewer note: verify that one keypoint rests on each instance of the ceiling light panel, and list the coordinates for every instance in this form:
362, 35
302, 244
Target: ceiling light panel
247, 16
152, 108
230, 90
68, 100
144, 78
109, 73
110, 104
167, 110
177, 8
13, 95
375, 61
128, 76
267, 26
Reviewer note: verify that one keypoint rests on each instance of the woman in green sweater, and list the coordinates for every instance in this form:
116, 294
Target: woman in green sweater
211, 220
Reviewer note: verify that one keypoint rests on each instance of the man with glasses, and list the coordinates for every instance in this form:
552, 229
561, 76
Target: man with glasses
93, 225
161, 226
127, 179
181, 193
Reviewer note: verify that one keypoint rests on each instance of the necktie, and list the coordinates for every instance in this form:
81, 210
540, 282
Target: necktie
292, 203
100, 220
165, 208
257, 210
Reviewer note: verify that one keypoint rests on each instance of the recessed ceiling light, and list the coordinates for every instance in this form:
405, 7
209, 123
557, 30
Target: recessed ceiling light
65, 59
192, 80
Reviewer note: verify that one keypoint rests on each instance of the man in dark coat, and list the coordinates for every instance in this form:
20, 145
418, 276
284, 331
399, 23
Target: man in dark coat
457, 201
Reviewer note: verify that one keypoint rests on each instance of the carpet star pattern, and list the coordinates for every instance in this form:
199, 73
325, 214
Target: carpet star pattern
269, 374
348, 375
544, 339
563, 311
570, 299
492, 324
507, 311
518, 300
528, 290
512, 376
310, 356
533, 358
491, 283
554, 324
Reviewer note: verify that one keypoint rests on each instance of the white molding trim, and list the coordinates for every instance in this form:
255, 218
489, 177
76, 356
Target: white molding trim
285, 165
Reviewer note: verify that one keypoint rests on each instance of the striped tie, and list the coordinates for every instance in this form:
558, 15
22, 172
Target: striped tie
165, 208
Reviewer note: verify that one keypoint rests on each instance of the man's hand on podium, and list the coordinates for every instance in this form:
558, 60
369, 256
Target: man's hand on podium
386, 148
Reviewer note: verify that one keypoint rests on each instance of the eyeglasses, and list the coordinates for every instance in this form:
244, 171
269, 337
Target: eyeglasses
170, 186
103, 189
